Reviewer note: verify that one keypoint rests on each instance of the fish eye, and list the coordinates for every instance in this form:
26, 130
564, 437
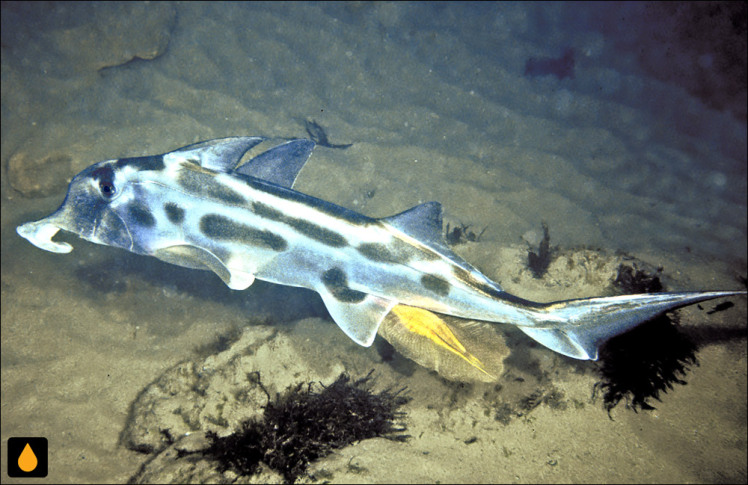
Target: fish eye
105, 177
107, 188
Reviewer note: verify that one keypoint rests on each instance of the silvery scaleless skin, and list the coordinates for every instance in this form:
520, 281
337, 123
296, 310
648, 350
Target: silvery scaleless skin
195, 208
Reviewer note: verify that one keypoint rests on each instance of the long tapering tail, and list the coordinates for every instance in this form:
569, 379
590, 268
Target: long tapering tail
590, 322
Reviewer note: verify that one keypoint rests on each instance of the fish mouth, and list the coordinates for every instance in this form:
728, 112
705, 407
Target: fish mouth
40, 234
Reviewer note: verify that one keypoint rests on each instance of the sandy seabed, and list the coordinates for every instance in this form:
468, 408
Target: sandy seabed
641, 152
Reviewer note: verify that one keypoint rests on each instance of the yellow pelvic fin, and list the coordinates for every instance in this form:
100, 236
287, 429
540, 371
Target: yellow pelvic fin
427, 324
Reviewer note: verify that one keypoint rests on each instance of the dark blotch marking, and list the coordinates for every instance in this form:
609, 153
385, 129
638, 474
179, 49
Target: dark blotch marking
174, 213
224, 194
191, 181
337, 283
309, 229
223, 228
154, 162
397, 251
466, 277
264, 210
377, 252
437, 284
320, 205
140, 215
205, 184
321, 234
104, 173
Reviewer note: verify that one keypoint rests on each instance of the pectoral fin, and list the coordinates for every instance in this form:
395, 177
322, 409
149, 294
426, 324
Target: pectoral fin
359, 320
198, 258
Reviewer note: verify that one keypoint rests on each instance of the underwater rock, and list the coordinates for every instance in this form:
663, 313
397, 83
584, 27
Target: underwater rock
572, 273
304, 425
177, 464
220, 392
356, 463
219, 420
299, 427
112, 43
35, 176
259, 411
43, 165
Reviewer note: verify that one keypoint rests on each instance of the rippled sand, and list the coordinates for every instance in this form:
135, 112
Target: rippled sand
642, 152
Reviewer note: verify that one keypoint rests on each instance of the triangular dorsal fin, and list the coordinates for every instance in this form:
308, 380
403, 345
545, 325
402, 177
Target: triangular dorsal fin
281, 164
422, 222
221, 154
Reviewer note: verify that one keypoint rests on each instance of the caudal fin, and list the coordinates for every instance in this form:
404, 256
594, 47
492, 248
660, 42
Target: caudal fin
577, 328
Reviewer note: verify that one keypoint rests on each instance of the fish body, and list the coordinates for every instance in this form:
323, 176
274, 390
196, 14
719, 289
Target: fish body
197, 207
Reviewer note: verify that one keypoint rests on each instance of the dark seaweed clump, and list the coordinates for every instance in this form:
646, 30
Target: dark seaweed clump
632, 280
461, 233
304, 425
539, 262
643, 363
319, 136
649, 359
720, 308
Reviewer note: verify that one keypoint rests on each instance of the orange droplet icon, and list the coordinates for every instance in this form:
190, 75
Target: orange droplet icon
27, 461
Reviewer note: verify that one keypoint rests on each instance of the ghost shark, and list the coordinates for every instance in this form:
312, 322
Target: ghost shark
197, 207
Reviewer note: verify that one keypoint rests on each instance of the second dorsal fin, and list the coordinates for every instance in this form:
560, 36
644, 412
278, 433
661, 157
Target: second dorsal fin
424, 224
281, 164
